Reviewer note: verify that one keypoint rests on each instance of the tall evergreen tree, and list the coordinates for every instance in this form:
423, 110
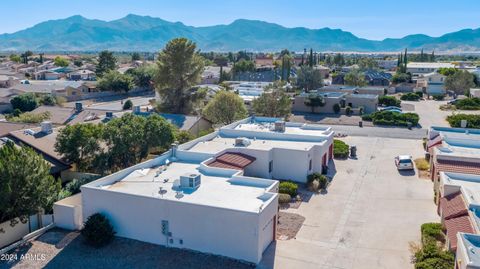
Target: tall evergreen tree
310, 61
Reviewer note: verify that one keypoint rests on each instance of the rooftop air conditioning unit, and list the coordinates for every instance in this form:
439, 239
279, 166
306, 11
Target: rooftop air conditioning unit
280, 126
46, 127
242, 142
190, 181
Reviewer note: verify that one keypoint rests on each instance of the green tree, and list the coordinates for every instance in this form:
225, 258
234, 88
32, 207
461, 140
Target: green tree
15, 58
115, 81
106, 62
460, 82
143, 76
25, 183
127, 105
77, 62
136, 56
313, 101
179, 68
79, 144
48, 100
61, 62
225, 108
24, 102
355, 78
274, 103
367, 63
309, 78
244, 66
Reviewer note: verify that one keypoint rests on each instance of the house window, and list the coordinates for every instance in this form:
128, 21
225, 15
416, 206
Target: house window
310, 165
270, 166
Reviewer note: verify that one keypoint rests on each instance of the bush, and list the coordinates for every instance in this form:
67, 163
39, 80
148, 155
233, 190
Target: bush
438, 97
388, 101
25, 102
340, 149
288, 187
74, 186
98, 231
473, 121
422, 164
468, 104
48, 100
284, 198
30, 117
432, 232
127, 105
360, 110
336, 108
392, 118
410, 97
348, 110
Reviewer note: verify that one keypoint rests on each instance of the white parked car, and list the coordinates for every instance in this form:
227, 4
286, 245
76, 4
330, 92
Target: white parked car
404, 162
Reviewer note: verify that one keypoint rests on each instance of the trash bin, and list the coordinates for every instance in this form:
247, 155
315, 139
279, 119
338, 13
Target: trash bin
353, 151
360, 124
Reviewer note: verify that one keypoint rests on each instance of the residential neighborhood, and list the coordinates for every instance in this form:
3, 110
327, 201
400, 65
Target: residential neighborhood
147, 143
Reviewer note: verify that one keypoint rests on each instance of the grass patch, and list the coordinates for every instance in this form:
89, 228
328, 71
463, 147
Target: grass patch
422, 164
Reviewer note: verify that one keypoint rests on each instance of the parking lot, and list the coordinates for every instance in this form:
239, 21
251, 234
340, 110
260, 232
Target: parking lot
368, 216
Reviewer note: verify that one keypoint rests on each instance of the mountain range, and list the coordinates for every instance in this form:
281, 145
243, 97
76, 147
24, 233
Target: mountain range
145, 33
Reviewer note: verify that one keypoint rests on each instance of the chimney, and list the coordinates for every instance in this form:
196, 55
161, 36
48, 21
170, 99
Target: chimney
46, 127
174, 149
78, 107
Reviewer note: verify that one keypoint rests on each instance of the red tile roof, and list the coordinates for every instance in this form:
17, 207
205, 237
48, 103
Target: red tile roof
456, 225
232, 160
453, 206
457, 166
433, 142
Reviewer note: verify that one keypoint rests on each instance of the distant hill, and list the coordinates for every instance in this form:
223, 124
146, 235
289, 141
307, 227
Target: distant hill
144, 33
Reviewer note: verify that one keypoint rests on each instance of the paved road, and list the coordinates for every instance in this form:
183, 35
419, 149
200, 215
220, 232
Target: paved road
387, 132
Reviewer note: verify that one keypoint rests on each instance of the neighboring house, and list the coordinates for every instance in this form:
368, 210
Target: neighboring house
42, 140
71, 90
433, 83
375, 78
7, 127
214, 194
418, 68
248, 91
192, 124
404, 87
69, 116
8, 81
47, 75
324, 71
389, 65
369, 102
354, 90
263, 61
83, 74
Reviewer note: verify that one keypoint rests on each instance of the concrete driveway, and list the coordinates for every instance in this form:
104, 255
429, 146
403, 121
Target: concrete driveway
430, 113
368, 217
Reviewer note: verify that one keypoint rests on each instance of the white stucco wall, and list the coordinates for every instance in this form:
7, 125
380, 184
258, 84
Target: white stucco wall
214, 230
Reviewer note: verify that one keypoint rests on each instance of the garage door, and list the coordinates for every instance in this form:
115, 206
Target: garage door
267, 234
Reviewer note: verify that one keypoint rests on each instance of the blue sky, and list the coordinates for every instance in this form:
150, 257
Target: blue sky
368, 19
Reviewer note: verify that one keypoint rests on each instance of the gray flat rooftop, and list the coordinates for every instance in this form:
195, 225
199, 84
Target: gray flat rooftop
218, 144
214, 190
299, 130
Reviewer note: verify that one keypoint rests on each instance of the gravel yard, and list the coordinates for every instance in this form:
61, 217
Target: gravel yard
63, 249
288, 225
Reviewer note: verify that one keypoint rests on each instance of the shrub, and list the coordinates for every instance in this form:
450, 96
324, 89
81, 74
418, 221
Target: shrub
468, 104
48, 100
422, 164
127, 105
74, 185
317, 181
336, 108
360, 110
410, 97
419, 93
25, 102
323, 181
432, 232
30, 117
98, 231
473, 121
288, 187
314, 186
284, 198
438, 97
348, 110
340, 149
392, 118
388, 101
